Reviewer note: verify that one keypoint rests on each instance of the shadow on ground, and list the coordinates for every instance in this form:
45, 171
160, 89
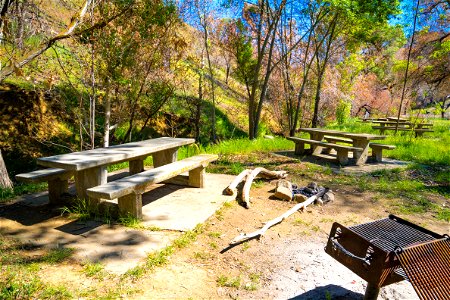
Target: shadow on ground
330, 291
169, 208
331, 162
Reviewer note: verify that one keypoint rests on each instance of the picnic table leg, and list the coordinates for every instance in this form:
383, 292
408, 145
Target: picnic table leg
299, 148
164, 157
197, 177
88, 178
130, 205
136, 166
361, 156
56, 188
377, 154
318, 137
342, 156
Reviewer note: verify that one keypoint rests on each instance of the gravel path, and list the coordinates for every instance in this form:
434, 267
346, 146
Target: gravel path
318, 276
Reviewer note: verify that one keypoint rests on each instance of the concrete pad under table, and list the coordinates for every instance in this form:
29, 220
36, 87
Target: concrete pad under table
119, 248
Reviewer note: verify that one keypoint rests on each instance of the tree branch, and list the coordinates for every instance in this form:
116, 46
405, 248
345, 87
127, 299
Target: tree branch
70, 32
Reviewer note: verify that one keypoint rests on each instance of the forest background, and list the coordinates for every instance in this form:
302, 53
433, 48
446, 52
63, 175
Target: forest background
76, 74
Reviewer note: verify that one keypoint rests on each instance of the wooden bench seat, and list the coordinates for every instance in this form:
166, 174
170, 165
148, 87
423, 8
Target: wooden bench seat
57, 179
377, 150
420, 131
129, 190
417, 131
392, 128
316, 148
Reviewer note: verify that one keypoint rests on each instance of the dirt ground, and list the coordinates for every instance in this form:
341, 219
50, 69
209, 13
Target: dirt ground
287, 262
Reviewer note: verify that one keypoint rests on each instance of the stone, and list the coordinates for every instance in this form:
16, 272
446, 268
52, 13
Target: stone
318, 202
283, 190
328, 197
312, 185
269, 137
300, 198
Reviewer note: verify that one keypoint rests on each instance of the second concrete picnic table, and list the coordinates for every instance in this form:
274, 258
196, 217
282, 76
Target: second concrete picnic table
90, 166
361, 140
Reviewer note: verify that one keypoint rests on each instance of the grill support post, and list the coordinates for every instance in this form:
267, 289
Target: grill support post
372, 291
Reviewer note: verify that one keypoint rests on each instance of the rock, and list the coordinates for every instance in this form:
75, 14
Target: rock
318, 202
328, 197
269, 137
312, 185
300, 198
283, 190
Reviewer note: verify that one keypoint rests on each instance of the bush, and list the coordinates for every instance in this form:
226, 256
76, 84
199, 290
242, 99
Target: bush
343, 112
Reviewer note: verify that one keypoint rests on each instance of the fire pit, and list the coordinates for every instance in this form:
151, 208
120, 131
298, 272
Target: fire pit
390, 250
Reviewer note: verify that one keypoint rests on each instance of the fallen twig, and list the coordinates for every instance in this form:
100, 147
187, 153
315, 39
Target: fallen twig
243, 236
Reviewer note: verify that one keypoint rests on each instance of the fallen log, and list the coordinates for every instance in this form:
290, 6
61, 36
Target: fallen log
247, 185
261, 172
232, 188
244, 237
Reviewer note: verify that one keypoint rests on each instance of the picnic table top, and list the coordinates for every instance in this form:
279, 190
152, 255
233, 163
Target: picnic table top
350, 135
82, 160
402, 123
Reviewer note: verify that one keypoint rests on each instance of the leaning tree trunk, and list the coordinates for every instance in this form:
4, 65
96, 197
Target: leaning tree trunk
5, 182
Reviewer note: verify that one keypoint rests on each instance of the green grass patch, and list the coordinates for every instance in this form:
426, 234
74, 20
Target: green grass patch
92, 269
19, 279
80, 209
213, 245
225, 281
431, 148
57, 255
159, 258
214, 234
131, 222
246, 146
21, 189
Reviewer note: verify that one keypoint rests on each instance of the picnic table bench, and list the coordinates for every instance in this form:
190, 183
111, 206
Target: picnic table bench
377, 149
129, 190
57, 179
418, 128
342, 150
321, 139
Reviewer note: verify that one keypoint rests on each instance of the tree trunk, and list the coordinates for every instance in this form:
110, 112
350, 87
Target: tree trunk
107, 116
4, 5
198, 105
407, 66
211, 78
321, 69
5, 182
315, 119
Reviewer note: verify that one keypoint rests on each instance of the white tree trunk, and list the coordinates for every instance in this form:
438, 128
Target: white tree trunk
5, 182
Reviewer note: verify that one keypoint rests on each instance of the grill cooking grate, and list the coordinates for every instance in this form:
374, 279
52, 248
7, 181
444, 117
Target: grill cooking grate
389, 250
428, 268
389, 233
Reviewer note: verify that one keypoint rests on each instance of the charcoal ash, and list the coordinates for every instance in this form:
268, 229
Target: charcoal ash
313, 189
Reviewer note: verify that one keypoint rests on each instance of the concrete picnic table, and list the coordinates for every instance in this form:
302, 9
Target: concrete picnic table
361, 140
90, 166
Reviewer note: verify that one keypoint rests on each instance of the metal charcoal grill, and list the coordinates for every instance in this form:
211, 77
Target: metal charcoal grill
390, 250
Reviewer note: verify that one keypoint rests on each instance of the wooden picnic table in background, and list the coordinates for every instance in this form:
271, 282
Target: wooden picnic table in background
418, 127
360, 140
